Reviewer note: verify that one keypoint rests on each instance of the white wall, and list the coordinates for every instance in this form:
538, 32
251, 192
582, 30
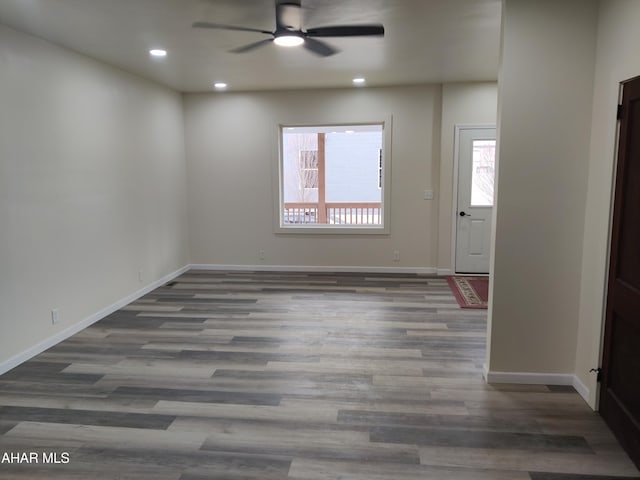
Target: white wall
231, 144
462, 104
92, 188
545, 100
616, 60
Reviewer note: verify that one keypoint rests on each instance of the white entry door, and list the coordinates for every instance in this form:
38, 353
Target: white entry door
476, 173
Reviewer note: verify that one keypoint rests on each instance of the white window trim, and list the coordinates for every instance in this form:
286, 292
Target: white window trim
313, 229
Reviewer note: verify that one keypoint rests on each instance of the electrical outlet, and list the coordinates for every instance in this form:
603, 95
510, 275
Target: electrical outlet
261, 254
396, 255
428, 194
55, 316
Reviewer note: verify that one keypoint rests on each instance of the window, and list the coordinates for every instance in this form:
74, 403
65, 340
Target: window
332, 178
483, 173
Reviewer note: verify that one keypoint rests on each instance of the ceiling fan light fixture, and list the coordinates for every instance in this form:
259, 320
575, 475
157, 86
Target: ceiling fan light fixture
289, 31
288, 40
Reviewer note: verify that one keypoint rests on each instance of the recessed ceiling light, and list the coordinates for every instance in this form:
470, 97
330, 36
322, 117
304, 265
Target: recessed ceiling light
288, 40
156, 52
358, 81
220, 85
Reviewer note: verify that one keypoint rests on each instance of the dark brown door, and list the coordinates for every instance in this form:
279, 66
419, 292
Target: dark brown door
620, 388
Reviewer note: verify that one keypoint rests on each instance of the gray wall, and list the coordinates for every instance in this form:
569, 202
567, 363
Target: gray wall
616, 60
92, 188
231, 141
545, 100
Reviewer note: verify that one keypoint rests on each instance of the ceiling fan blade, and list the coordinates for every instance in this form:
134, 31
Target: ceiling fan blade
220, 26
347, 31
251, 46
318, 47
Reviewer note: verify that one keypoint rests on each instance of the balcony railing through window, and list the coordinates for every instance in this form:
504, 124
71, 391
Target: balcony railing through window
335, 213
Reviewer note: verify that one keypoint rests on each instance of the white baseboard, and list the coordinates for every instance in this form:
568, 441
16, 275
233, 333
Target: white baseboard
531, 378
582, 389
444, 272
82, 324
315, 268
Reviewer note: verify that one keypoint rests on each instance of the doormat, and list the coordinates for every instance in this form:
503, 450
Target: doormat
470, 292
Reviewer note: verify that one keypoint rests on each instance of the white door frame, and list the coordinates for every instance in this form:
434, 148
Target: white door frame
454, 199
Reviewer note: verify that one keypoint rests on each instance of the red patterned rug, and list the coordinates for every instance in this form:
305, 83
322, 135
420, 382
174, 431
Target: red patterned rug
470, 292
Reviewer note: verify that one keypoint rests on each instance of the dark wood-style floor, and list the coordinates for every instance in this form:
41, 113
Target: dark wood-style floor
231, 375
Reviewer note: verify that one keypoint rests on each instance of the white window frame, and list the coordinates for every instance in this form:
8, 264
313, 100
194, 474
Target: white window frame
331, 229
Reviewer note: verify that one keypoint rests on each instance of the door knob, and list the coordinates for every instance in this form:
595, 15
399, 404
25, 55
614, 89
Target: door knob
463, 214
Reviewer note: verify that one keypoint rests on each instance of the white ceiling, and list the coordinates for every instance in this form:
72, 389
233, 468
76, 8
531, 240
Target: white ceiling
425, 40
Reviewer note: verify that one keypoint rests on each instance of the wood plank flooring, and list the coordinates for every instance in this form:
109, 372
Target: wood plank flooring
245, 375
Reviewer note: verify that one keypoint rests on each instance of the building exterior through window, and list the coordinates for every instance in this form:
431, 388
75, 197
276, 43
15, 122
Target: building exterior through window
332, 175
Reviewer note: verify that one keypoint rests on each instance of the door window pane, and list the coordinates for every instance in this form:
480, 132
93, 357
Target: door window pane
483, 173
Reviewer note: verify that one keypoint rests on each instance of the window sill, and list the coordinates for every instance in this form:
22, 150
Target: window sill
332, 230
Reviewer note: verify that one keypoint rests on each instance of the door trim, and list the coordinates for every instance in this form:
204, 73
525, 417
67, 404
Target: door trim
605, 284
454, 200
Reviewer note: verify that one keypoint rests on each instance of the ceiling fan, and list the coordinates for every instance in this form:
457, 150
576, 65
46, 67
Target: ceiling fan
289, 31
